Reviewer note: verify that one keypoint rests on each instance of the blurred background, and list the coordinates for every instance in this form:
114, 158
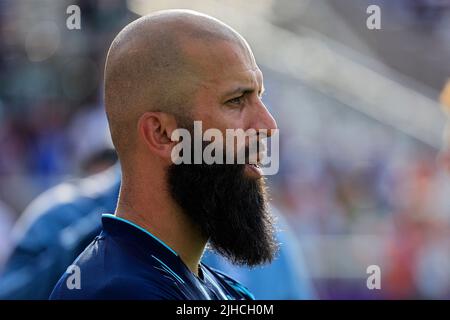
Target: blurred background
362, 180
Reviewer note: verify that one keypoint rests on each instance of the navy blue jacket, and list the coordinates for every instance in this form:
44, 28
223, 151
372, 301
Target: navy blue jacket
127, 262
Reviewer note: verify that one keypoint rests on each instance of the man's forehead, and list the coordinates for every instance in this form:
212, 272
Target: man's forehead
252, 78
213, 57
234, 81
223, 66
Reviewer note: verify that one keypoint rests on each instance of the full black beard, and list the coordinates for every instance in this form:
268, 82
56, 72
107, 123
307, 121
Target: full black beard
230, 209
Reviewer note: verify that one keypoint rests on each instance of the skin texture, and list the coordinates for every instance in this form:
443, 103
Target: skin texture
159, 69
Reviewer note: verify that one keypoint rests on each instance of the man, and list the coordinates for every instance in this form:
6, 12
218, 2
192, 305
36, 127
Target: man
162, 72
53, 230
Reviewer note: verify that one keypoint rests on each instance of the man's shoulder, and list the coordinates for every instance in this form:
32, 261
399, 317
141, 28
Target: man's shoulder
106, 270
66, 204
120, 287
109, 270
53, 230
77, 195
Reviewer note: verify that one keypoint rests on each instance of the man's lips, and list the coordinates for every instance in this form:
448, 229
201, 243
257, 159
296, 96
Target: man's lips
254, 170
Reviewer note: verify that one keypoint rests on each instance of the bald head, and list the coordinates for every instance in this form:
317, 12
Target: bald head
150, 67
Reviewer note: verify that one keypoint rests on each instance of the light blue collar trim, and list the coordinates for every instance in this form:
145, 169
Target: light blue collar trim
108, 215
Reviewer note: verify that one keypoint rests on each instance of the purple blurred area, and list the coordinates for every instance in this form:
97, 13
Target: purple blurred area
358, 112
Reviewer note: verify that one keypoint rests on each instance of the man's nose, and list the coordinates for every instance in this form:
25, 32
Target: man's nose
263, 120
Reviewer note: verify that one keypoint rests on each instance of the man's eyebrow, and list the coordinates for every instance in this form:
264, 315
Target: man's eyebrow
243, 90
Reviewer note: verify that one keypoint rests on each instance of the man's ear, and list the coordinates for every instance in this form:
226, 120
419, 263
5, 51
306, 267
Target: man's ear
155, 130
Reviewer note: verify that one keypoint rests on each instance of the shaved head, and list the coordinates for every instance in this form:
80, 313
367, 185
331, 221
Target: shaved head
151, 66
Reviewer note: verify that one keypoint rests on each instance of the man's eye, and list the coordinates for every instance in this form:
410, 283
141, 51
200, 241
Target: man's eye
237, 100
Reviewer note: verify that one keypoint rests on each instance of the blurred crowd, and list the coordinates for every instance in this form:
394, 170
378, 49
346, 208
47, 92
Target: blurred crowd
356, 192
389, 212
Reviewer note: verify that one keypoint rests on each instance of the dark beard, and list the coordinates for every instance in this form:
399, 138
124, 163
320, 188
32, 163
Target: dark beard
230, 209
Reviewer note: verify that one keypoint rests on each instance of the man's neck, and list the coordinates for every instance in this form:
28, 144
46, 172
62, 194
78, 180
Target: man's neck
169, 224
